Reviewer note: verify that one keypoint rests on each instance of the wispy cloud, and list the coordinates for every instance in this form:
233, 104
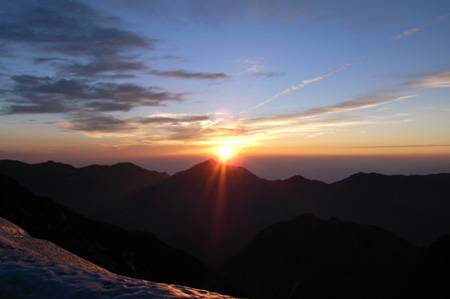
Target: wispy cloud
434, 80
295, 87
416, 29
255, 67
183, 74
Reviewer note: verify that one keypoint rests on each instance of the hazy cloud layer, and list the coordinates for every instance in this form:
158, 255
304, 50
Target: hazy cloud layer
181, 127
400, 146
218, 12
210, 127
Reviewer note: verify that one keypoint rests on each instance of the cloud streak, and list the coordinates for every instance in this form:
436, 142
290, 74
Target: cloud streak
295, 87
362, 102
433, 80
409, 32
183, 74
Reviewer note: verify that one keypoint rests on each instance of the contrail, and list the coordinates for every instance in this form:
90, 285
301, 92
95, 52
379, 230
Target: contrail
295, 87
411, 31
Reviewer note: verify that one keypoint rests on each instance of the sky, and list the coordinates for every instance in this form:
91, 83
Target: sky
164, 83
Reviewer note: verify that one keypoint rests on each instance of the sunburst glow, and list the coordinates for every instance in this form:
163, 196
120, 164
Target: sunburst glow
225, 151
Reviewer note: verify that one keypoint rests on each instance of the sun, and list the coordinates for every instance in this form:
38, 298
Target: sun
225, 152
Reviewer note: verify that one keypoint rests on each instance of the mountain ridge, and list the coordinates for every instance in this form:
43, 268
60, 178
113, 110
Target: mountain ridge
82, 189
222, 207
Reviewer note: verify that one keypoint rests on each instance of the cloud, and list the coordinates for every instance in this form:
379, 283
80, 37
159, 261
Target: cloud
156, 127
208, 128
33, 94
204, 128
174, 119
68, 27
183, 74
362, 102
72, 37
295, 87
100, 123
411, 31
434, 80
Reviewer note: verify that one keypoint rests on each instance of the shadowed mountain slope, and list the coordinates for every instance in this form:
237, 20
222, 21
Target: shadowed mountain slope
311, 258
132, 253
415, 206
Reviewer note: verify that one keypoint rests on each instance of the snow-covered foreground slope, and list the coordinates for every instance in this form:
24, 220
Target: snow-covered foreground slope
35, 268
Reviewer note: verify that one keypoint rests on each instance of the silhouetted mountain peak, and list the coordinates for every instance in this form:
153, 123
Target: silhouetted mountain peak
206, 165
307, 219
51, 163
211, 169
52, 166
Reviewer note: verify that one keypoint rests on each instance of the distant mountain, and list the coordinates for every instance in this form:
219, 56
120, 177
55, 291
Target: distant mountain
415, 207
311, 258
84, 189
36, 268
218, 207
212, 210
132, 253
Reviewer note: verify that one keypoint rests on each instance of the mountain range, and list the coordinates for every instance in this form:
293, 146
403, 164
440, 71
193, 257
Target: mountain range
212, 210
206, 207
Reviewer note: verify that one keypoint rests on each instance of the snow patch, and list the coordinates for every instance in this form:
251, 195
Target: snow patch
35, 268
